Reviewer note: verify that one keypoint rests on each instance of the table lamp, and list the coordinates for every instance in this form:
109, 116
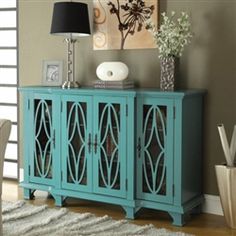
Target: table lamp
71, 20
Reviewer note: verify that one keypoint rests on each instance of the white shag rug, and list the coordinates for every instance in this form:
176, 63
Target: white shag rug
20, 218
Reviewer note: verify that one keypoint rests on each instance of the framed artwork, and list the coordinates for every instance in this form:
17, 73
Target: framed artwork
120, 24
52, 73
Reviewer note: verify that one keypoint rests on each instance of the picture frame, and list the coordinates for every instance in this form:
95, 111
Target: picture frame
52, 73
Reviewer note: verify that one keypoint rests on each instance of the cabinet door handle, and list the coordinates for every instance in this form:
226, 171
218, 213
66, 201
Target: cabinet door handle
95, 143
53, 139
89, 143
139, 147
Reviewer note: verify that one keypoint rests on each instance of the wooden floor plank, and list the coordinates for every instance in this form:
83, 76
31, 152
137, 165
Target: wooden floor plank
203, 224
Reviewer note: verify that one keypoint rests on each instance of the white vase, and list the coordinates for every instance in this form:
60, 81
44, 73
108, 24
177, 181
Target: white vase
112, 71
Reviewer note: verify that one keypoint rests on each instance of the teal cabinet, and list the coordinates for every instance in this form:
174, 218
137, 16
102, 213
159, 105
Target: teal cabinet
134, 148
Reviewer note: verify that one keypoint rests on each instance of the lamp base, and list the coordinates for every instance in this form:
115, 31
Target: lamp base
70, 84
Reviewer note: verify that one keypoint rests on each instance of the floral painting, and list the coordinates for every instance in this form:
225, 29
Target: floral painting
120, 24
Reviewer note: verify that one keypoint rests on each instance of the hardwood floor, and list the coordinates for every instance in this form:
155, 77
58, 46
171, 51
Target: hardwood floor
203, 224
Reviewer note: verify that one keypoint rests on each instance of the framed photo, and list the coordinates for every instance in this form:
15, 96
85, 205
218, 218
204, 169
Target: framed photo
52, 73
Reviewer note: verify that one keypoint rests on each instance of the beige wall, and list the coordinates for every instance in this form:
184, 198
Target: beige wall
209, 62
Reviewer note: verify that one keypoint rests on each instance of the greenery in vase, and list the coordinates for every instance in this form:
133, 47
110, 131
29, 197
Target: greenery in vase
172, 35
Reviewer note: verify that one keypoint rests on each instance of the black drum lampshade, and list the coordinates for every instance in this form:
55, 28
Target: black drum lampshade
70, 19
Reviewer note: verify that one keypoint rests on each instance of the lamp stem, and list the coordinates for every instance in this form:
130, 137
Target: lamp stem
70, 78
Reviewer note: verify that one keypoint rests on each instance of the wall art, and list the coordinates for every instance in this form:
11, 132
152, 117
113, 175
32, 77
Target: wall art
120, 24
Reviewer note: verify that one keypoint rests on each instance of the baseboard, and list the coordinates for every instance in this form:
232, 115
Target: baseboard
211, 205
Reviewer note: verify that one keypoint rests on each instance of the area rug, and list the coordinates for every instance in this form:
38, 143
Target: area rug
20, 218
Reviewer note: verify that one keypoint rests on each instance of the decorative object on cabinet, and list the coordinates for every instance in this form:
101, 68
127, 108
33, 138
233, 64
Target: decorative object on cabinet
120, 24
171, 38
112, 71
71, 20
226, 177
134, 148
123, 84
169, 73
52, 73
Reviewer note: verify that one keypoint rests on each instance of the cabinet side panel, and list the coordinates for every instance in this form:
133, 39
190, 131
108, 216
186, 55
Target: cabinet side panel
192, 147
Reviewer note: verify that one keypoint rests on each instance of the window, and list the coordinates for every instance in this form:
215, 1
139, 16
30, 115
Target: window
9, 81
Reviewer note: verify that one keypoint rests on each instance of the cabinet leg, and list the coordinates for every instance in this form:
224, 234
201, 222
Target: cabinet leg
197, 210
59, 200
178, 219
28, 194
130, 212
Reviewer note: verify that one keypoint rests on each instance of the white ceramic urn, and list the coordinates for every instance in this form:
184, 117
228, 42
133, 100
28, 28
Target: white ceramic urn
112, 71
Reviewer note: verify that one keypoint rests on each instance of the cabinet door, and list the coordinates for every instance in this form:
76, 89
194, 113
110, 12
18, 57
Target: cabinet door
155, 149
42, 139
77, 143
110, 146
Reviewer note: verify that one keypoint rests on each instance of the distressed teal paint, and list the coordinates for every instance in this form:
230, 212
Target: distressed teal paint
84, 122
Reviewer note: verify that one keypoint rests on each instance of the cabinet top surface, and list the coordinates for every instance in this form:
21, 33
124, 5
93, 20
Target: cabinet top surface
115, 92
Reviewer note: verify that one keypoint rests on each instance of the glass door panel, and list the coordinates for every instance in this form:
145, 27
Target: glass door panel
43, 141
155, 137
110, 137
154, 130
77, 153
109, 174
